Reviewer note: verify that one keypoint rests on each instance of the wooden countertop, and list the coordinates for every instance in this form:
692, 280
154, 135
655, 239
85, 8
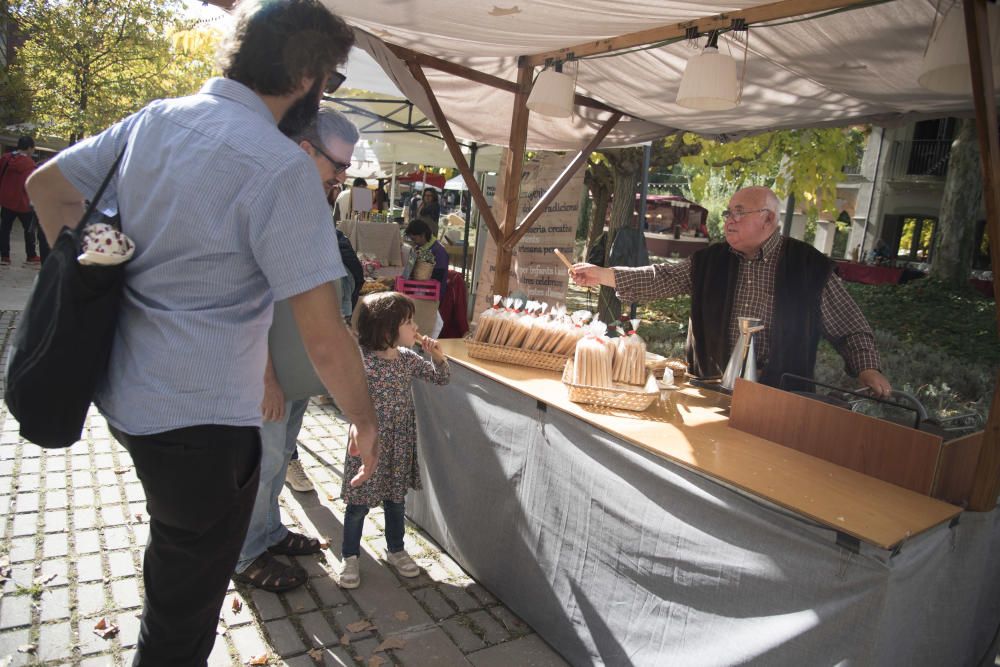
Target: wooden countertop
691, 428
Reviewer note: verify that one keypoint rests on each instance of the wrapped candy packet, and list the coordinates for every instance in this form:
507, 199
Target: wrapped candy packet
102, 244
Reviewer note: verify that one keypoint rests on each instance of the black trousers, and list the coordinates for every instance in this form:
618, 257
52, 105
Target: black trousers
27, 219
200, 485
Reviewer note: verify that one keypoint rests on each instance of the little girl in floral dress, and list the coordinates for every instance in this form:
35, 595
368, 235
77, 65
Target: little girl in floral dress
386, 331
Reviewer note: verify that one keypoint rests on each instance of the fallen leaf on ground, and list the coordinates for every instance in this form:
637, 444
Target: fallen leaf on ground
315, 653
41, 581
121, 471
345, 640
27, 648
258, 659
105, 629
402, 616
138, 517
237, 605
391, 644
324, 543
359, 626
331, 497
376, 661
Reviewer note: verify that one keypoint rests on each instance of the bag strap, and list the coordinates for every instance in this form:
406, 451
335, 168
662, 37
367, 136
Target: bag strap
116, 221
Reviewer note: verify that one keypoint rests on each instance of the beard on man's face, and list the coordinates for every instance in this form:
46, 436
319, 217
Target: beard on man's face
303, 111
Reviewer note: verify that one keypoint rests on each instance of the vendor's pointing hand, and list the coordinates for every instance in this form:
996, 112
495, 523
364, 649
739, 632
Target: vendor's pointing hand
878, 383
588, 275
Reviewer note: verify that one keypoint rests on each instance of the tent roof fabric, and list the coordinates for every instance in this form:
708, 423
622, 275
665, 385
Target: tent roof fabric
836, 68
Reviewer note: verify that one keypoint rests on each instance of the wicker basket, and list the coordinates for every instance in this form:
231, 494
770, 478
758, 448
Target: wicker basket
422, 271
516, 355
621, 396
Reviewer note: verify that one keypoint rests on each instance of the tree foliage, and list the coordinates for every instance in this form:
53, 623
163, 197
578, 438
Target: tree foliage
89, 63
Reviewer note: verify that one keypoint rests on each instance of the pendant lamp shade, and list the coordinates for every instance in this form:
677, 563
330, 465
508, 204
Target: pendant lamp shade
552, 94
709, 82
945, 68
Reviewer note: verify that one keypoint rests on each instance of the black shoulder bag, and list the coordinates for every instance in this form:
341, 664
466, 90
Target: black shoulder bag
63, 339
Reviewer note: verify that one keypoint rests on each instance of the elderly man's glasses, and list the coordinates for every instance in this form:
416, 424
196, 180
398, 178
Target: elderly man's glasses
738, 215
338, 167
334, 82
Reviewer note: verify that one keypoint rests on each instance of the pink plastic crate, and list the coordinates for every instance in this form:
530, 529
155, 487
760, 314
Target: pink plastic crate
429, 290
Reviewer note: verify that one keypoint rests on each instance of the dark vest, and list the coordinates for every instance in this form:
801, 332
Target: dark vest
801, 274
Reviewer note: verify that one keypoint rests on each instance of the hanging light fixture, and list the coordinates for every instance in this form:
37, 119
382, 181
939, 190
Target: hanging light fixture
709, 81
552, 94
945, 68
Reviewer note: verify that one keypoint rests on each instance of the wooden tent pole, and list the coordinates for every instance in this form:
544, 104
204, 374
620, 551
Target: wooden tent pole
986, 485
456, 153
513, 169
564, 178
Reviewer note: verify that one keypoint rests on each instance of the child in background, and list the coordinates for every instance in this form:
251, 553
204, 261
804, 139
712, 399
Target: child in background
386, 331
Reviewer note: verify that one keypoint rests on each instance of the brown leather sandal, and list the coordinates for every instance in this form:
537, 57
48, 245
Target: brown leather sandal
296, 544
270, 574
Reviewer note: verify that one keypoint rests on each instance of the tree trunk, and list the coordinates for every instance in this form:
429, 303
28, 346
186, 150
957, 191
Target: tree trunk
626, 163
951, 258
599, 212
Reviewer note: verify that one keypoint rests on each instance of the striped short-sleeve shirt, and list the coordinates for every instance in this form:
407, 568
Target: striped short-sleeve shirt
227, 215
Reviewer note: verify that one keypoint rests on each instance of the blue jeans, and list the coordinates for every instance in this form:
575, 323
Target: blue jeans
354, 522
277, 442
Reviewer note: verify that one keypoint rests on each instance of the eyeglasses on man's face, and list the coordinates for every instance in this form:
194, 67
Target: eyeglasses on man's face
338, 167
739, 214
334, 82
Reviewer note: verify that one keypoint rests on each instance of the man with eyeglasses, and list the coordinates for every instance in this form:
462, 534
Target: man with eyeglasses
329, 140
757, 272
227, 215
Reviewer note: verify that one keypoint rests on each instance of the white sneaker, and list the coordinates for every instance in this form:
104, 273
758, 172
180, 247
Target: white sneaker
403, 563
297, 478
350, 574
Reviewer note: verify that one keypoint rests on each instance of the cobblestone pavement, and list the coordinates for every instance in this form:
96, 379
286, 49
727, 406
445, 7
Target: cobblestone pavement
72, 529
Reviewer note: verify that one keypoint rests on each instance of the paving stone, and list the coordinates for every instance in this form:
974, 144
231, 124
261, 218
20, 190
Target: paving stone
121, 564
432, 648
125, 593
89, 568
87, 542
27, 502
231, 617
219, 657
31, 465
84, 519
109, 495
491, 629
315, 566
55, 462
4, 506
55, 604
134, 493
248, 642
25, 524
90, 599
9, 641
104, 460
459, 597
141, 531
6, 466
344, 616
335, 656
116, 537
128, 628
55, 545
267, 604
22, 549
434, 602
59, 568
509, 620
56, 499
15, 611
285, 638
113, 515
460, 630
89, 642
82, 479
99, 661
55, 521
330, 594
28, 482
6, 485
55, 480
318, 630
55, 642
434, 569
299, 600
528, 651
479, 592
365, 648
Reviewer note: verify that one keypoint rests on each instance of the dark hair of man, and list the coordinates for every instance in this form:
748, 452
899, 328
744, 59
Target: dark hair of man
360, 183
379, 317
418, 228
275, 44
24, 143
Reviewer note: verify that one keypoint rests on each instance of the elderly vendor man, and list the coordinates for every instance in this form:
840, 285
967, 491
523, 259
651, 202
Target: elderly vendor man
757, 272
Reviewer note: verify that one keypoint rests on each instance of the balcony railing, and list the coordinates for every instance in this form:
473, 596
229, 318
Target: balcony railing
921, 158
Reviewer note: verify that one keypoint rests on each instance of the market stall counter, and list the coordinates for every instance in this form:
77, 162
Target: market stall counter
668, 537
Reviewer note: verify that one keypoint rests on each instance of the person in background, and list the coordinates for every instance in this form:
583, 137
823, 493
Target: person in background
342, 207
227, 215
15, 168
380, 200
386, 332
329, 141
425, 248
758, 273
429, 210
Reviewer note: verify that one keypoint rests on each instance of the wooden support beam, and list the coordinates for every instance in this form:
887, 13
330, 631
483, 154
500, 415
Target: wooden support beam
986, 485
424, 60
456, 153
564, 178
769, 12
513, 169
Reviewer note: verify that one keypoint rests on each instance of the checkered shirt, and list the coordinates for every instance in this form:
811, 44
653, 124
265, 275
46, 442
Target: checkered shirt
843, 324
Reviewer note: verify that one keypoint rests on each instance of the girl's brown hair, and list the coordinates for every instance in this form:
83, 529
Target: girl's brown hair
379, 317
